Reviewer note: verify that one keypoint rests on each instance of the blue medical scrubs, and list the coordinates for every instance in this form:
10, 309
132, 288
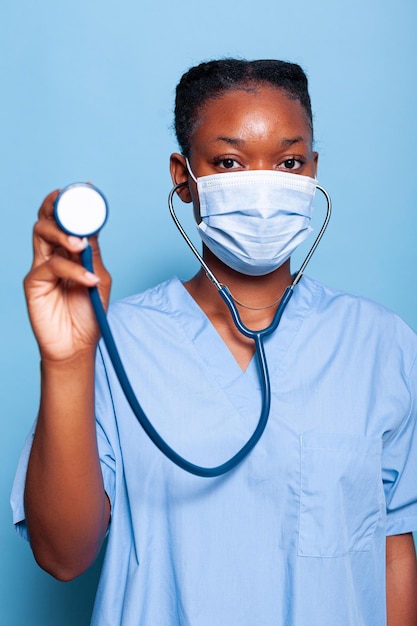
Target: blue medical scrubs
295, 535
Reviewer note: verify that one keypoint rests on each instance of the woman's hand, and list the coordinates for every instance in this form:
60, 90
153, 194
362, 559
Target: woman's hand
56, 289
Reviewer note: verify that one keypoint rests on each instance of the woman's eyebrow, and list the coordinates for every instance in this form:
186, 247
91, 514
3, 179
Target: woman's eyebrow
286, 143
237, 142
232, 141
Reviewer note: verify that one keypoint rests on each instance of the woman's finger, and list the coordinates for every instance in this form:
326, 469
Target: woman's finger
47, 207
58, 268
47, 237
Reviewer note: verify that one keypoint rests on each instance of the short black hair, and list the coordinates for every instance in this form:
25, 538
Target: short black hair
214, 78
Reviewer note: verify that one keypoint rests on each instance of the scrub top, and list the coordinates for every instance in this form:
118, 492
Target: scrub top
295, 535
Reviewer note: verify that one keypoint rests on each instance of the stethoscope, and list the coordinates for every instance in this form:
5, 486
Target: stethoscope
81, 210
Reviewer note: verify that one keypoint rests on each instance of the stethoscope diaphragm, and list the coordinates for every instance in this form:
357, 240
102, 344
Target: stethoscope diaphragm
81, 210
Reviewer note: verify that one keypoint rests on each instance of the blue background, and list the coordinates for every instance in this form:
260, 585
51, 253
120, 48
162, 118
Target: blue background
87, 94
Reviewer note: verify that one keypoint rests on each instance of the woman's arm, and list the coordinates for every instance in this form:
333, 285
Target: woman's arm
401, 581
66, 508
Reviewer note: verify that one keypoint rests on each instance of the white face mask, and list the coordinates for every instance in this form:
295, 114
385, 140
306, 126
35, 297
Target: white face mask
253, 220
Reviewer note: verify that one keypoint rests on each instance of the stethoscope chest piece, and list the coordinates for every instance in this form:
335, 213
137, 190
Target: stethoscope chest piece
81, 210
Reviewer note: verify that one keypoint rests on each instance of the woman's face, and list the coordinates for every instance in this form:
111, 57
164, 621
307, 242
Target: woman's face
260, 129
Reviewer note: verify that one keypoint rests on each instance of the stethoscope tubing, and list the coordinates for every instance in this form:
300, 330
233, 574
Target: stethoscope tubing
172, 455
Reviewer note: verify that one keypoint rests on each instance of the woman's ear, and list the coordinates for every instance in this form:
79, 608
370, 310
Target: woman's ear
179, 174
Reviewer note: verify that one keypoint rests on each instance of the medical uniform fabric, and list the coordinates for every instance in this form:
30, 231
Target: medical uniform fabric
295, 535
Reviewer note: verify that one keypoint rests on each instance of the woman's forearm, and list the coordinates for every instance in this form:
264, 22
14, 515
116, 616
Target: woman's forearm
401, 581
66, 508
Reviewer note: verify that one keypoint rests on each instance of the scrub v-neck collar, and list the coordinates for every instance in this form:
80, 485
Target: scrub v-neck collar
212, 349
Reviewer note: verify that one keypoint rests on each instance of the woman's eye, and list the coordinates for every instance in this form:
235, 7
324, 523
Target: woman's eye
227, 164
291, 164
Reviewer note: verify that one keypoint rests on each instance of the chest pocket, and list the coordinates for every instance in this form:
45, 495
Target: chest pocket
341, 494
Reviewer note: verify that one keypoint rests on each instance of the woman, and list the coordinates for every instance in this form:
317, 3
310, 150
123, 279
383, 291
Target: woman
296, 534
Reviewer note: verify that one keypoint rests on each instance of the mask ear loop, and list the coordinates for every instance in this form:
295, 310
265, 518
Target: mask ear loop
190, 171
178, 224
188, 241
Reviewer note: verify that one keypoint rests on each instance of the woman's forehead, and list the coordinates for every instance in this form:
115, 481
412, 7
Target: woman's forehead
241, 113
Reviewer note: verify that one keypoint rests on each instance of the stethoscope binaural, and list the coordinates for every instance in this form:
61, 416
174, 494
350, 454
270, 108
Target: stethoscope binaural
81, 210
